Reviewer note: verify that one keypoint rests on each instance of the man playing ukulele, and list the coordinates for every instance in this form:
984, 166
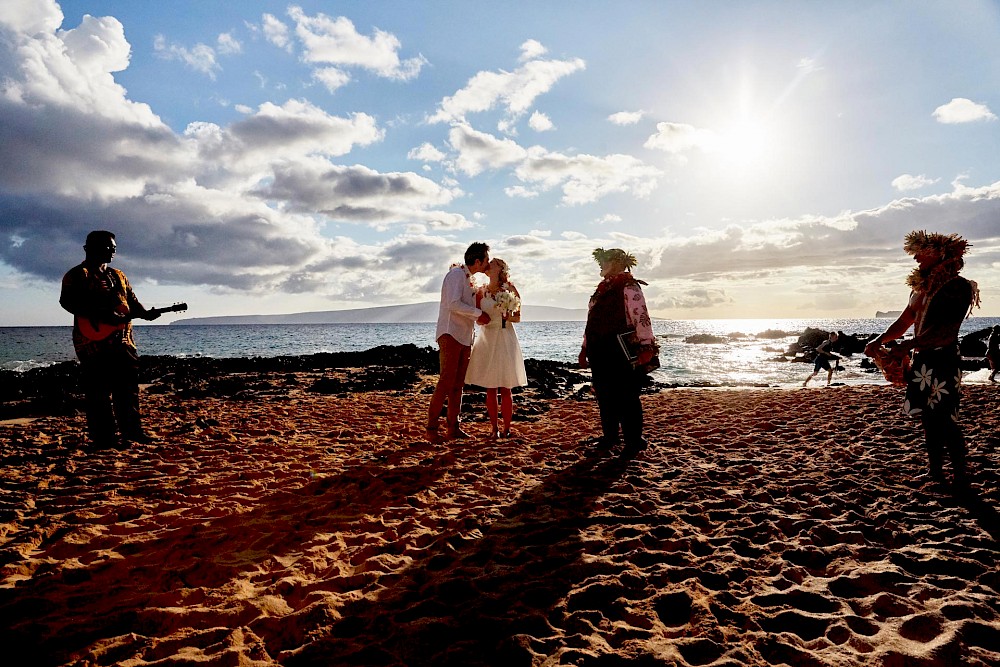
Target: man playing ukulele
104, 306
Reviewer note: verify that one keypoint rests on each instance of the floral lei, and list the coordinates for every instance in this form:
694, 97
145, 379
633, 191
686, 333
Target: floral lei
468, 274
611, 282
502, 287
927, 283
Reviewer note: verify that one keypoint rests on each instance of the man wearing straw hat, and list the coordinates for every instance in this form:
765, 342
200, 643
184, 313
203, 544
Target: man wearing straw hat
618, 308
939, 301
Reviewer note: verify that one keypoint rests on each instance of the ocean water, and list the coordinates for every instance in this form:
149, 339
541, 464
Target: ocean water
743, 360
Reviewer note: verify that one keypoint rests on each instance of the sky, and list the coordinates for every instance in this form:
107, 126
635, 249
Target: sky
760, 159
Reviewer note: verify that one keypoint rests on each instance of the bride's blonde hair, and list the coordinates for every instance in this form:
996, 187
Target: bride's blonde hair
504, 271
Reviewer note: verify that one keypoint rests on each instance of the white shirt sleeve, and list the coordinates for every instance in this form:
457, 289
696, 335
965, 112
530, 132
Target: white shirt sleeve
455, 286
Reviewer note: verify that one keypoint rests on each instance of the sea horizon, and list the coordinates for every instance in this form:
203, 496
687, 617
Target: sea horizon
737, 355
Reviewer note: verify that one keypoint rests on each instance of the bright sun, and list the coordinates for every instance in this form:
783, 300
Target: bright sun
746, 144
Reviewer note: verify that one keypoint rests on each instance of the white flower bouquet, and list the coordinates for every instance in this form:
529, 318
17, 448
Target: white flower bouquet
508, 302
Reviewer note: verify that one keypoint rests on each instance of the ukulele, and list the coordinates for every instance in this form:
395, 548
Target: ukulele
102, 330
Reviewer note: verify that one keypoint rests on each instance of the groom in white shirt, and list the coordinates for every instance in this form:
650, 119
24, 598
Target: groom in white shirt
456, 326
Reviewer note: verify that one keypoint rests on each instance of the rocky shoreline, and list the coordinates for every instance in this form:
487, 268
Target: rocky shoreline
55, 390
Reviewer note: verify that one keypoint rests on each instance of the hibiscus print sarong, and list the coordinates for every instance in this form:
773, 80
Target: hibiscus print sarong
934, 383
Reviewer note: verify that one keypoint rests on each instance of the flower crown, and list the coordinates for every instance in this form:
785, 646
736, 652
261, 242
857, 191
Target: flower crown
615, 255
948, 246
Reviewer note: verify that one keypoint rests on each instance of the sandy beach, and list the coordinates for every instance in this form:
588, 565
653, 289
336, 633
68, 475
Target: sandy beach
281, 524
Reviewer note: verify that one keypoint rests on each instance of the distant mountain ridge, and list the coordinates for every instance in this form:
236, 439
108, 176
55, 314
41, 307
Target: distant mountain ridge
404, 314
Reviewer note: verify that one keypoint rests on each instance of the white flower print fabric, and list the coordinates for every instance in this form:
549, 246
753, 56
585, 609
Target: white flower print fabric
934, 383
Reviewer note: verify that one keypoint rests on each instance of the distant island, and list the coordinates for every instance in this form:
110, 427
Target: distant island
888, 313
409, 313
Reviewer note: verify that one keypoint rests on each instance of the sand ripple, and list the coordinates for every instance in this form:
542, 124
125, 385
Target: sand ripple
761, 528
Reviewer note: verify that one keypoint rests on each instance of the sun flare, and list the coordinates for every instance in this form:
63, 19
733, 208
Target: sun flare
746, 144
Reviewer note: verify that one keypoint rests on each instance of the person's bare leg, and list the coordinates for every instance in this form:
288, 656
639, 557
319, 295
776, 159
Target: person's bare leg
455, 397
491, 410
448, 357
507, 408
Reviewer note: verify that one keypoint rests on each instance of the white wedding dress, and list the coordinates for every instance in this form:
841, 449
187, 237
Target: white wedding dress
496, 359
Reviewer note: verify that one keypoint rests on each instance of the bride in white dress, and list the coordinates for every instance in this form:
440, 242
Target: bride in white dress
496, 362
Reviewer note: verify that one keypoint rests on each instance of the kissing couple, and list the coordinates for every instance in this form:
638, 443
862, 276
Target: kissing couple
490, 358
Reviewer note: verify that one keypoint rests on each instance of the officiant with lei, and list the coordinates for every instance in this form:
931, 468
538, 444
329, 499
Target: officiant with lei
496, 363
619, 347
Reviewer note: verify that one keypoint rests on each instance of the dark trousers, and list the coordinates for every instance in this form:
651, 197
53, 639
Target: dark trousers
942, 432
617, 388
111, 387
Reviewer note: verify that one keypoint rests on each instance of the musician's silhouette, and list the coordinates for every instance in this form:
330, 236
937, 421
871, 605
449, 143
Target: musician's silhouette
104, 305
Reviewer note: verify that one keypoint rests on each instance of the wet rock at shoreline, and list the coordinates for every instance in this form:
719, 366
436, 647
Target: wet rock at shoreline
56, 390
706, 339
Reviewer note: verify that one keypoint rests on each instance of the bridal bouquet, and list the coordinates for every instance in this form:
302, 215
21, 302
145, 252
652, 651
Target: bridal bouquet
508, 302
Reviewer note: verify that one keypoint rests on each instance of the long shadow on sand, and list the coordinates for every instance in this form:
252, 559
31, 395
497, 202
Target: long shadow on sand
58, 613
478, 604
982, 512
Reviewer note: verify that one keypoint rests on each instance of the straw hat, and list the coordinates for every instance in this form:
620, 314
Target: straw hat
626, 259
948, 246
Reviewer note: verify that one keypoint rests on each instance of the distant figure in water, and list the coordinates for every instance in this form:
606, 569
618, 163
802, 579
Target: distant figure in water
496, 363
993, 352
825, 353
104, 305
457, 318
618, 307
939, 301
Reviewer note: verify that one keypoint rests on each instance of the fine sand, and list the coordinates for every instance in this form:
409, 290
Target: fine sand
761, 527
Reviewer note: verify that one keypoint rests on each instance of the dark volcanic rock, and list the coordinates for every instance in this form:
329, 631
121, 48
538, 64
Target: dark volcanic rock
55, 390
974, 344
847, 344
706, 339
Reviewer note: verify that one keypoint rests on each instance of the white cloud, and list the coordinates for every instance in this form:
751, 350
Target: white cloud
277, 133
98, 45
610, 217
697, 298
229, 45
426, 152
532, 49
587, 178
478, 150
626, 117
331, 77
737, 270
237, 207
581, 178
515, 91
962, 110
276, 32
520, 192
337, 42
200, 57
909, 182
253, 207
677, 138
539, 122
359, 194
31, 16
